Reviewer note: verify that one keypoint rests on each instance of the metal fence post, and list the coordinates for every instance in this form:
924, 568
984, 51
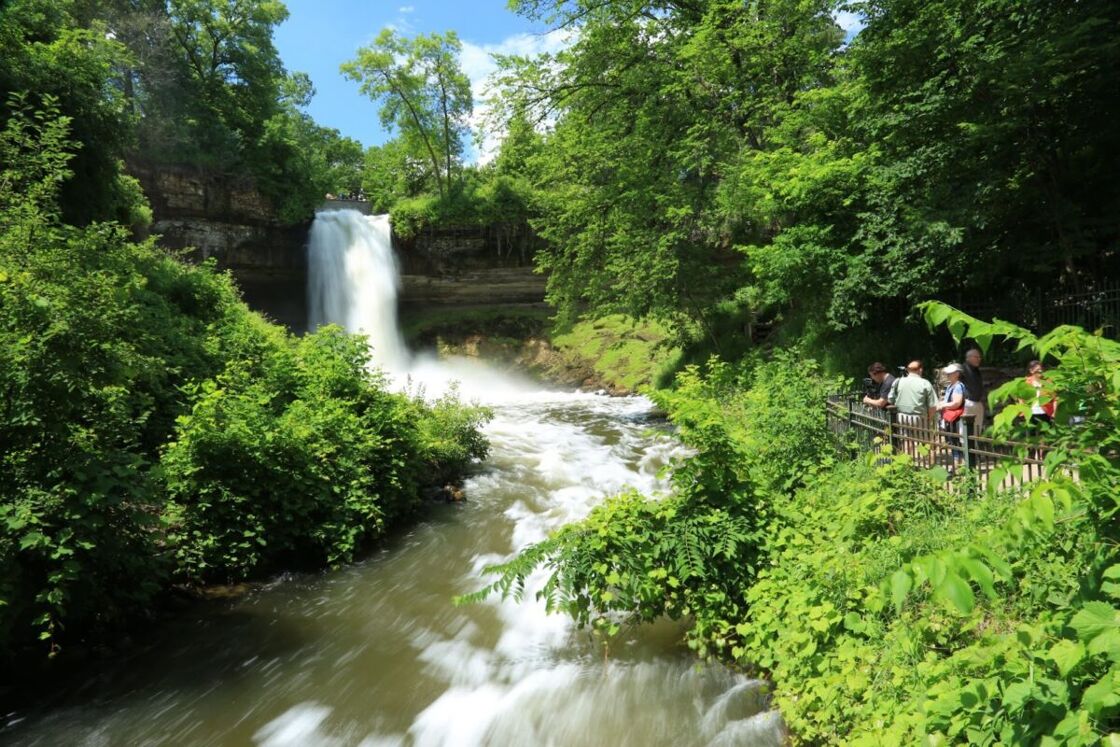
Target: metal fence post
892, 431
966, 436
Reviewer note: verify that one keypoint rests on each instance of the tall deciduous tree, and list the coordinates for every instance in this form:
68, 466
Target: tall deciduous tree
719, 160
423, 94
233, 72
652, 101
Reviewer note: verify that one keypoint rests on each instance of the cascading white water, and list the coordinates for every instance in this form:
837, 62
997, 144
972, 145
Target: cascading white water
509, 692
353, 281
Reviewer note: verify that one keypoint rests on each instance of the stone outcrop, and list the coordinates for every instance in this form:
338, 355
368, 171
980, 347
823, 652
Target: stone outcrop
497, 286
467, 265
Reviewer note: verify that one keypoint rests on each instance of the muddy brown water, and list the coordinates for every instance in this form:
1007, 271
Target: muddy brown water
376, 654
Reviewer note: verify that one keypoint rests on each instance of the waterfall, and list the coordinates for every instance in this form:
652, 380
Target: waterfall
353, 281
375, 654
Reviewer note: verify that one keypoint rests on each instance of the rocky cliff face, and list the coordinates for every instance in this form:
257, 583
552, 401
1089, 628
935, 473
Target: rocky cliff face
466, 265
224, 218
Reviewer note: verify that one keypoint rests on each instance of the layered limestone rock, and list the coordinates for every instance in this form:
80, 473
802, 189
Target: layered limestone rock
466, 265
224, 218
498, 286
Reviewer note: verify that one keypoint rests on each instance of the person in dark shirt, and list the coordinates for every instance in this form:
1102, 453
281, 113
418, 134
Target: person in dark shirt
975, 395
878, 373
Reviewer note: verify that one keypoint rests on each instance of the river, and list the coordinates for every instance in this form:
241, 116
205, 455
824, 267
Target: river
376, 654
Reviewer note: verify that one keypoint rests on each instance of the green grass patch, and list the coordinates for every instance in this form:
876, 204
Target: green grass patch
623, 352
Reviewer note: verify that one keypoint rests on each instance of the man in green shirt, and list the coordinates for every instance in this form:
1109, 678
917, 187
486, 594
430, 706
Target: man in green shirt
916, 403
913, 396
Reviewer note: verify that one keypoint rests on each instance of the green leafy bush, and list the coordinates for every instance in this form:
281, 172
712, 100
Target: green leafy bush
154, 428
500, 203
410, 216
302, 462
96, 335
693, 553
885, 607
893, 611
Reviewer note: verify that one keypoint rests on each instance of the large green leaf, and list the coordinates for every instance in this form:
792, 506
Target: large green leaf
901, 583
1094, 619
1103, 697
957, 592
1067, 654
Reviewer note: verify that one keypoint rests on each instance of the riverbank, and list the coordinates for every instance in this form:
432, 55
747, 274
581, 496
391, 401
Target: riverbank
884, 607
614, 354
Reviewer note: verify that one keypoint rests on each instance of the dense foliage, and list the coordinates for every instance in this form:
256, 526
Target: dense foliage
749, 160
156, 430
693, 553
194, 83
886, 606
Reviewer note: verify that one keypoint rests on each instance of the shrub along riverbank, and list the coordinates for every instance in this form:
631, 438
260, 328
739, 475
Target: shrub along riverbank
156, 431
883, 607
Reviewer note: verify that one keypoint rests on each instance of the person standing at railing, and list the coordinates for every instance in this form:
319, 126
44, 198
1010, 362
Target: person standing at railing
1045, 404
879, 394
975, 394
951, 408
916, 402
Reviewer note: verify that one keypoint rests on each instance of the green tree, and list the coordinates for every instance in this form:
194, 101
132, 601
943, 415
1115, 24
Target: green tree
47, 50
298, 162
651, 102
389, 174
992, 152
423, 92
232, 70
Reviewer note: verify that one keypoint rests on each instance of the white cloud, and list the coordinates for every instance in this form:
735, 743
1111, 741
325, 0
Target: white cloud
852, 23
406, 9
479, 65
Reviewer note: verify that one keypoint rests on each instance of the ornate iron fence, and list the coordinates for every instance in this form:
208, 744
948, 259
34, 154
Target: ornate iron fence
1041, 311
1091, 310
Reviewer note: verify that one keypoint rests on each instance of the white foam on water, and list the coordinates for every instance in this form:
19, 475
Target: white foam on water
531, 685
298, 726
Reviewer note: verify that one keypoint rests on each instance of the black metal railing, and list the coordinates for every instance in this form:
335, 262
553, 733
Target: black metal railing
1038, 310
1093, 309
960, 449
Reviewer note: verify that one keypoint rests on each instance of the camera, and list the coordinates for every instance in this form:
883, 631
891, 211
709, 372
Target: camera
870, 388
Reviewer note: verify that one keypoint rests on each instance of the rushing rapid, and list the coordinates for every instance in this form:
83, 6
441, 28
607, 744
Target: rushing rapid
375, 654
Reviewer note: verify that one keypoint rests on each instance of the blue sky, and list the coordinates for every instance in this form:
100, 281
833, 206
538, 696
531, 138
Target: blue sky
319, 36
